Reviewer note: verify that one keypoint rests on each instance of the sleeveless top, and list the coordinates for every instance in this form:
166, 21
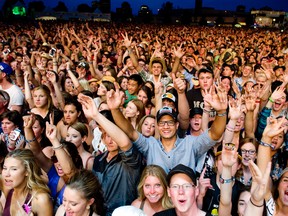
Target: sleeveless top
27, 207
142, 205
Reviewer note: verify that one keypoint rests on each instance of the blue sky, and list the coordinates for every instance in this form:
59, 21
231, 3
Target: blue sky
156, 4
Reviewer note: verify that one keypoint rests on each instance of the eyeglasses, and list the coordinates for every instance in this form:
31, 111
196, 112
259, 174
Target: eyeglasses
250, 152
54, 159
169, 123
185, 187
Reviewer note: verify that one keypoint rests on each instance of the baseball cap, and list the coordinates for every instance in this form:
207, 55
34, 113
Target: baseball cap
180, 168
169, 96
5, 68
195, 111
166, 111
128, 211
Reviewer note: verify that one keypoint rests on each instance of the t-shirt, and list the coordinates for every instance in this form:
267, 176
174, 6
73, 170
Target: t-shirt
16, 96
196, 100
128, 98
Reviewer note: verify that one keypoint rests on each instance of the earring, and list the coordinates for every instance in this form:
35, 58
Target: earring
88, 207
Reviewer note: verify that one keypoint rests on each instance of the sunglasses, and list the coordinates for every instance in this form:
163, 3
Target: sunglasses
54, 159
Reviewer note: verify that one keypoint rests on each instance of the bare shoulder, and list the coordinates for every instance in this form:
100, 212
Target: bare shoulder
42, 204
60, 211
136, 203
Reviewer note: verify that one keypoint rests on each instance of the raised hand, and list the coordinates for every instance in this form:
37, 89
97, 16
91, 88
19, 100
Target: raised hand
51, 76
127, 42
179, 85
250, 101
51, 132
28, 120
88, 106
204, 183
115, 98
277, 93
259, 182
274, 127
217, 101
234, 108
178, 52
159, 88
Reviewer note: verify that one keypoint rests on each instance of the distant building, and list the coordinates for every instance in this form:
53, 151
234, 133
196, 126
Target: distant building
264, 18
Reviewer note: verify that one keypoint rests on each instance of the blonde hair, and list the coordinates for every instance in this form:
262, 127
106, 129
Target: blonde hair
85, 84
140, 108
34, 179
47, 92
158, 172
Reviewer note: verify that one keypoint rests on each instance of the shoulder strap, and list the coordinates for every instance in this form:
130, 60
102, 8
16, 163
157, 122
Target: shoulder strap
142, 204
86, 164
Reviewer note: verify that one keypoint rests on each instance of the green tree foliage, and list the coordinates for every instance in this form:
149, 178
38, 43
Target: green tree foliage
84, 8
61, 7
37, 6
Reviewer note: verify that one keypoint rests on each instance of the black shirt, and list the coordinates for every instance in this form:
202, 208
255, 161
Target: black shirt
212, 197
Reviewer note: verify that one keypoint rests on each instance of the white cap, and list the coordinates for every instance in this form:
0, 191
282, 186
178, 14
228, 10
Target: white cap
128, 211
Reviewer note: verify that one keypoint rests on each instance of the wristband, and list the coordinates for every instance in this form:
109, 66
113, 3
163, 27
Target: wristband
259, 206
266, 145
222, 114
271, 100
226, 181
57, 147
206, 111
32, 140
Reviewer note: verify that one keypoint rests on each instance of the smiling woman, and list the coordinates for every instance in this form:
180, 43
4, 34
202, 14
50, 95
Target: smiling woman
152, 191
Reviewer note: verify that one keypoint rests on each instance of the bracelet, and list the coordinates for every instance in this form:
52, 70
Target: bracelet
266, 145
206, 111
32, 140
271, 100
57, 147
226, 181
259, 206
222, 114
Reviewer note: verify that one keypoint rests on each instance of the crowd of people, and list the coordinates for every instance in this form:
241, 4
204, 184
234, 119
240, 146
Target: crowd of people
119, 119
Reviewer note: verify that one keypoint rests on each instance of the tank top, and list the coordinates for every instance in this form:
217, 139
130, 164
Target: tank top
27, 207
